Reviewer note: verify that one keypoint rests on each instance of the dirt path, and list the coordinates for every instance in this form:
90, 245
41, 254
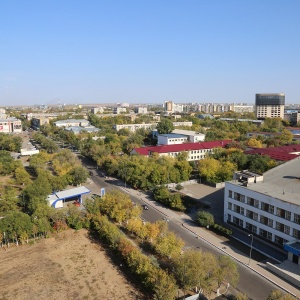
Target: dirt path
67, 266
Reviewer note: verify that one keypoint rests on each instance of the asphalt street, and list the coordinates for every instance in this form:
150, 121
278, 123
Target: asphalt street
250, 283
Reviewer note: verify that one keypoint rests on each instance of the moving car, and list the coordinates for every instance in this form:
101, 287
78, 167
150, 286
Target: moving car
145, 207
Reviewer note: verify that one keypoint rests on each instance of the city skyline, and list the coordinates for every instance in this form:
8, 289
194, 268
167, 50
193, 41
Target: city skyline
148, 52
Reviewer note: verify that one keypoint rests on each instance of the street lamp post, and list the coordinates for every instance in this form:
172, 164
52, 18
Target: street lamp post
250, 247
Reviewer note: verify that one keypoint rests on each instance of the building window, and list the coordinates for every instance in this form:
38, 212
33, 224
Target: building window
287, 215
296, 219
279, 240
242, 198
296, 233
271, 209
229, 205
230, 194
270, 223
229, 218
287, 229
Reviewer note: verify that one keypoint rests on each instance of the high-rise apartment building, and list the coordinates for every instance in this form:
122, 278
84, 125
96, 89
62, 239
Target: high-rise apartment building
269, 105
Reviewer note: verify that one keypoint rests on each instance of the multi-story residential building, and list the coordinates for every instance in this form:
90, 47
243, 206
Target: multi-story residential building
118, 110
36, 123
10, 125
96, 110
243, 108
267, 206
134, 127
171, 107
141, 110
195, 151
293, 117
184, 123
269, 105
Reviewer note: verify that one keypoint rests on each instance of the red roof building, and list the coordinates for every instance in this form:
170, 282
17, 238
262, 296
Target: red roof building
282, 153
196, 151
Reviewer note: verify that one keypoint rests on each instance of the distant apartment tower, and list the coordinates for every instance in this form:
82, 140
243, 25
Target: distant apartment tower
141, 110
269, 105
168, 106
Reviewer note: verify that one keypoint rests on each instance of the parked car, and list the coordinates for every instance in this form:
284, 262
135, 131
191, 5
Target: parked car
76, 203
145, 207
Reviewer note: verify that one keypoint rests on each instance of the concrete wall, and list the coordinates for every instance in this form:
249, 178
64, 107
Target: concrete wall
283, 274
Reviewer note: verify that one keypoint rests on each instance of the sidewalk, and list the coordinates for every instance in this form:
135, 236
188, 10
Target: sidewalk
219, 243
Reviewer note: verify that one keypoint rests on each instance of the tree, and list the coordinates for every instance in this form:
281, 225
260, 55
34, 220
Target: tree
164, 285
228, 271
252, 142
165, 126
278, 295
175, 202
78, 175
286, 137
205, 218
168, 245
16, 224
21, 176
9, 200
188, 269
208, 168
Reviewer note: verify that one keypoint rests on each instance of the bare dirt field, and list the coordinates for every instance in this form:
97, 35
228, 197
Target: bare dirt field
66, 266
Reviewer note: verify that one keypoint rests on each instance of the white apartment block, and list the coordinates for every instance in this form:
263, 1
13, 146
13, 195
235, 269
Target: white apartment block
267, 206
184, 123
134, 127
243, 108
96, 110
141, 110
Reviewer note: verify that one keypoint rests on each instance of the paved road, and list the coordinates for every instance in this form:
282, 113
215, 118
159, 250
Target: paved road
250, 283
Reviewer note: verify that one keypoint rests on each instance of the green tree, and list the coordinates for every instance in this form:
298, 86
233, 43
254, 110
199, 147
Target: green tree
22, 176
16, 224
278, 295
205, 218
168, 245
208, 168
78, 175
165, 126
188, 269
164, 285
228, 271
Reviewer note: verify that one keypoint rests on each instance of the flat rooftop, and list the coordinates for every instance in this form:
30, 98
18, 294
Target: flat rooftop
281, 182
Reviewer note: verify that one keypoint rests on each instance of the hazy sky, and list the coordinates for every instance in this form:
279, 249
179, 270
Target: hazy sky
148, 51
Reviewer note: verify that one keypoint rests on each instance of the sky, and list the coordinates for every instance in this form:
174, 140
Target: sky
148, 51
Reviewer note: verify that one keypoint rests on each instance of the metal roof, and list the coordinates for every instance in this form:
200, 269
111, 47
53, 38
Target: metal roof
281, 182
69, 193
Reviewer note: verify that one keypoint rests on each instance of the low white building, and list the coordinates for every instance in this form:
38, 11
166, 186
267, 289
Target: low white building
193, 136
171, 139
267, 206
10, 125
72, 122
134, 127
